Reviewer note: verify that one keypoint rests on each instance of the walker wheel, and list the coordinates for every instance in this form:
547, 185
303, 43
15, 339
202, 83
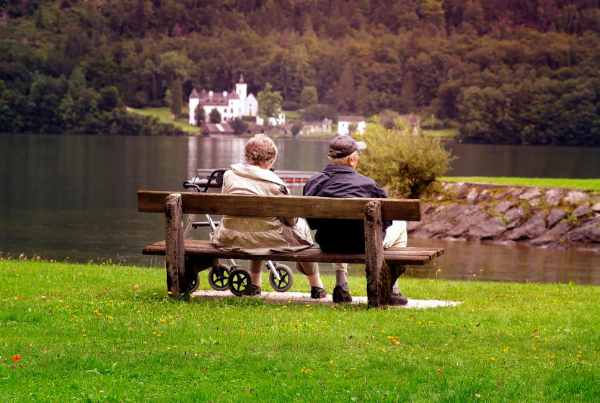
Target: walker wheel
286, 278
239, 282
195, 284
218, 277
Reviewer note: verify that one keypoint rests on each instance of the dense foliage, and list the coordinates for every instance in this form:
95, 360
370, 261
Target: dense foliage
519, 72
401, 159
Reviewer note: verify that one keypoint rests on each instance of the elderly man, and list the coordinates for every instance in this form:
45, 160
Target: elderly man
340, 179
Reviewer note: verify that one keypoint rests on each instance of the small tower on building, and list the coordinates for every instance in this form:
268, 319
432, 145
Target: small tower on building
241, 88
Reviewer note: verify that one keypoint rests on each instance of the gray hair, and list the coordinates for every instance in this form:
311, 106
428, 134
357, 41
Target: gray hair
260, 150
344, 160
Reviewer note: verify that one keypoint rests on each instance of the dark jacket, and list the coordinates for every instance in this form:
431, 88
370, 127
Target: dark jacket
342, 236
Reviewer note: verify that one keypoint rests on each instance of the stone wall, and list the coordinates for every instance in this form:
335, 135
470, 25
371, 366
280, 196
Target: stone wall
542, 217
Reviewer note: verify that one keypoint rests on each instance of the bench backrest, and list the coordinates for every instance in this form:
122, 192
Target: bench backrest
279, 206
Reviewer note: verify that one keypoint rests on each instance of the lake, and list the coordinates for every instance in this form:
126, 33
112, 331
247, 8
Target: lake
74, 198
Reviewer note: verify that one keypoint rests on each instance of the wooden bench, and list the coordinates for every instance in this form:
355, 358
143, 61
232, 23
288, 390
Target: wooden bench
185, 258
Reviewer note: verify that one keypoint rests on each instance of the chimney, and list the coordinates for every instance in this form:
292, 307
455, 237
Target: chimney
210, 94
225, 94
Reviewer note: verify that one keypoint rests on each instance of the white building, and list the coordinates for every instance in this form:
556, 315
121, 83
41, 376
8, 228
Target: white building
230, 106
344, 123
323, 126
279, 120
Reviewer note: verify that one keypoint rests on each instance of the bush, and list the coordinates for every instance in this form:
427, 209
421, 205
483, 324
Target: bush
238, 126
319, 112
388, 118
403, 162
214, 116
290, 106
296, 127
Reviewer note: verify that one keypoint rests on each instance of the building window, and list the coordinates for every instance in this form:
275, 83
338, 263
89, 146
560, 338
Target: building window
225, 119
231, 110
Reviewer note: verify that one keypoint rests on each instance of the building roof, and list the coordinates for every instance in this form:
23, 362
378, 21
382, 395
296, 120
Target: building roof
351, 118
194, 94
217, 98
241, 79
217, 128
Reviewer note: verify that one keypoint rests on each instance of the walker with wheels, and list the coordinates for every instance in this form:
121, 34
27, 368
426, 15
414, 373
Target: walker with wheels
222, 277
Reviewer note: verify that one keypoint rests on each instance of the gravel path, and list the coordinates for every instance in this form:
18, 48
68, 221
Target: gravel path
304, 298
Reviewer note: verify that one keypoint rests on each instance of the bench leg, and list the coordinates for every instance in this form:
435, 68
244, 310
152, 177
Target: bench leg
175, 253
377, 292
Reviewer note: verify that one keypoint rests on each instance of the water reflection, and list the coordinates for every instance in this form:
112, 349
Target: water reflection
75, 196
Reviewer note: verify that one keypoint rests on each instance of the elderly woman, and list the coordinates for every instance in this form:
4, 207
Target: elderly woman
263, 235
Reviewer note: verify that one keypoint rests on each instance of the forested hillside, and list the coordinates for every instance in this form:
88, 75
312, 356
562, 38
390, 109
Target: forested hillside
513, 72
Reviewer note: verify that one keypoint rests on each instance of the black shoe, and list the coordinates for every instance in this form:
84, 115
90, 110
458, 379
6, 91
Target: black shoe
317, 293
254, 290
341, 296
397, 299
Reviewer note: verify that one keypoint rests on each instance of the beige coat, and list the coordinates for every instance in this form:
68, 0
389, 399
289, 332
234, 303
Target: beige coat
259, 235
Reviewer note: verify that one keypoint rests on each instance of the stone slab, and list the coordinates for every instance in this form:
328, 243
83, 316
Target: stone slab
304, 298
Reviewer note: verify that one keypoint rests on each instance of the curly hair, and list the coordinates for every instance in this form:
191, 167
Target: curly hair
260, 150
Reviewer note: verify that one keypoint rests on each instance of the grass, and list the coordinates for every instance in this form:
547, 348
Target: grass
109, 333
441, 133
164, 116
583, 184
292, 114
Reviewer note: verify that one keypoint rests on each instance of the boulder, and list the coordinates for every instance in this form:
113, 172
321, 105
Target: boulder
582, 210
555, 216
517, 192
472, 196
491, 228
476, 216
534, 202
530, 194
575, 197
532, 228
596, 207
501, 194
552, 196
555, 235
503, 206
587, 233
514, 215
461, 189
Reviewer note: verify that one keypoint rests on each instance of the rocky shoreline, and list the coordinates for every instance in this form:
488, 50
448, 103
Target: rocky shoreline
553, 218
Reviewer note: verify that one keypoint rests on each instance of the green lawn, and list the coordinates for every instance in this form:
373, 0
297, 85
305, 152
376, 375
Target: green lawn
103, 333
584, 184
441, 133
164, 116
292, 114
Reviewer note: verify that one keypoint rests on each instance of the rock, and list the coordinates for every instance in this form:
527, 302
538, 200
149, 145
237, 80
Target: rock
445, 220
413, 225
501, 194
516, 192
588, 233
472, 196
467, 222
503, 206
484, 196
490, 228
575, 197
582, 210
555, 216
515, 214
530, 194
532, 228
555, 235
461, 189
534, 202
552, 196
596, 207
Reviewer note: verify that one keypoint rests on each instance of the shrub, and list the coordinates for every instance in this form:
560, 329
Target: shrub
238, 125
296, 127
403, 162
290, 106
214, 116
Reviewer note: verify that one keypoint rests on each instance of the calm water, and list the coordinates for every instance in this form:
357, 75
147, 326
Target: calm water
75, 197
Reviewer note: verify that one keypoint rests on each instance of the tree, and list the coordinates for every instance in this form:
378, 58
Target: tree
214, 116
200, 115
269, 103
319, 112
238, 125
176, 98
401, 161
345, 92
309, 96
296, 127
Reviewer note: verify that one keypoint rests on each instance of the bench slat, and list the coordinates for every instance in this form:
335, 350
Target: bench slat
410, 255
269, 206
